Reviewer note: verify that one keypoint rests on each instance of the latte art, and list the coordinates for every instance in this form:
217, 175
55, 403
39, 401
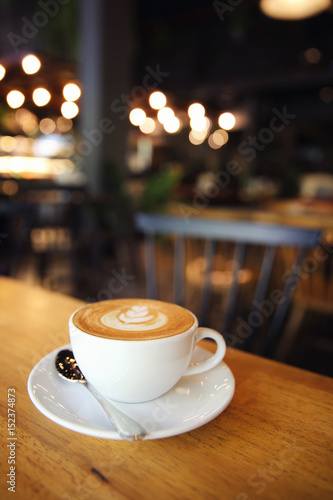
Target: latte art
138, 318
137, 314
133, 319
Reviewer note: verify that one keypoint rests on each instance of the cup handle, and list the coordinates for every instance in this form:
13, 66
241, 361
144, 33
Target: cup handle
202, 366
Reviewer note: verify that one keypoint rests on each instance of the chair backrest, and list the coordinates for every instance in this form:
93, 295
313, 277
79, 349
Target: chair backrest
242, 234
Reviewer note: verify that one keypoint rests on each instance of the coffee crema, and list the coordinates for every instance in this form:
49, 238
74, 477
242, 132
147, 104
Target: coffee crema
133, 319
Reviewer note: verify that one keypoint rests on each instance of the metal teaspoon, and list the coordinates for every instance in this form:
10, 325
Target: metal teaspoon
127, 428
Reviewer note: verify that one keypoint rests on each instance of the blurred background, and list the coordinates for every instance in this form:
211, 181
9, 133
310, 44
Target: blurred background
219, 109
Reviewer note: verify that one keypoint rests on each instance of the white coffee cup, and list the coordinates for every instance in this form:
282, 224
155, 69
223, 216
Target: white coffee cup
135, 371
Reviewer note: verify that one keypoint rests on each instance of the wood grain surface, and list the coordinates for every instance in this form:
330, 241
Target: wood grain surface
274, 441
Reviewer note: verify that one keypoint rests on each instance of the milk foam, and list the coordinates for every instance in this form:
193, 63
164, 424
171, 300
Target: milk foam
133, 319
137, 318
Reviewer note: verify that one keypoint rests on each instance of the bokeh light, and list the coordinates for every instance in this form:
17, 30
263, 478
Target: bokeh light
15, 99
196, 110
194, 139
227, 121
71, 92
312, 55
172, 125
2, 71
198, 123
23, 146
220, 137
64, 124
8, 143
165, 115
157, 100
326, 94
208, 123
9, 187
41, 97
148, 126
215, 144
69, 109
31, 64
199, 134
27, 120
22, 115
47, 126
30, 127
137, 116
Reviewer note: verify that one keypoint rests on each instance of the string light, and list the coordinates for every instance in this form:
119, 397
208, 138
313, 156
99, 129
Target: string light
157, 100
212, 143
165, 114
15, 99
196, 110
220, 137
194, 139
148, 126
137, 116
227, 121
71, 92
198, 123
172, 125
69, 109
41, 97
31, 64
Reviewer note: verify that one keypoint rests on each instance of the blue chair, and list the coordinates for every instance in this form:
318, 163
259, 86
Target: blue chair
242, 234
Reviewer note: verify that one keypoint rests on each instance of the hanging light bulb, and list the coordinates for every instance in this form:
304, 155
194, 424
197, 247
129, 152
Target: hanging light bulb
2, 71
293, 9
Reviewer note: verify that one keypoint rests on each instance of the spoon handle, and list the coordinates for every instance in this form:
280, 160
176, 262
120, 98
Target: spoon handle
127, 428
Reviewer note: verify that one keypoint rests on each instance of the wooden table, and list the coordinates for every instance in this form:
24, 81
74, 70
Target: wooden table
274, 441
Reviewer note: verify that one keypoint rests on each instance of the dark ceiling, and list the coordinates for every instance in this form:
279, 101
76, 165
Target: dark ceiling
218, 52
224, 53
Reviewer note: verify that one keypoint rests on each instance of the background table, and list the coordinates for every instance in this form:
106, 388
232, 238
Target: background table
274, 441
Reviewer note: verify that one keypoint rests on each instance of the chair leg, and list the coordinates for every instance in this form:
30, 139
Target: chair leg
291, 330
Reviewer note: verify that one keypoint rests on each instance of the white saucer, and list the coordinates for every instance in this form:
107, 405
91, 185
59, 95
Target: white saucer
193, 402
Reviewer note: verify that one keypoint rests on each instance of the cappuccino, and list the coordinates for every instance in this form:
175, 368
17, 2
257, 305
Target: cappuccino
133, 319
104, 338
